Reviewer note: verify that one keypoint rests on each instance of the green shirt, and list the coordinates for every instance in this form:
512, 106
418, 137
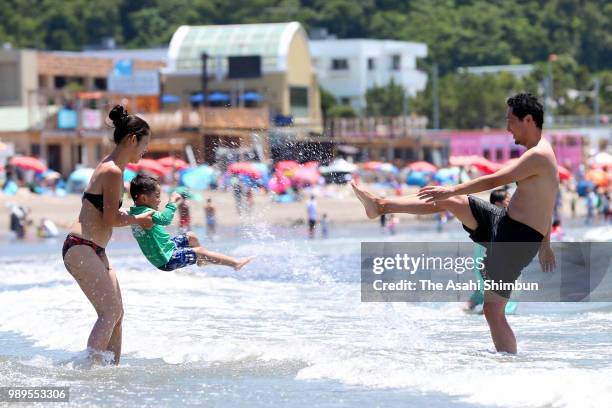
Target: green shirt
155, 243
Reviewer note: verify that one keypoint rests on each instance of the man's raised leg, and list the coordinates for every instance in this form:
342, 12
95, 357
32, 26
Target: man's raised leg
375, 206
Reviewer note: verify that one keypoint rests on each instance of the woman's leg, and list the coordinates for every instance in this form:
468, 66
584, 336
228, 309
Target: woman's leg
114, 344
102, 289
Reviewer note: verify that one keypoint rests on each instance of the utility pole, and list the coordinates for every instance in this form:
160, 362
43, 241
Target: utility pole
597, 83
436, 102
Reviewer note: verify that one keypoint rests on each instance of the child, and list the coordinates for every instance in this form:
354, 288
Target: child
162, 251
184, 215
211, 219
324, 226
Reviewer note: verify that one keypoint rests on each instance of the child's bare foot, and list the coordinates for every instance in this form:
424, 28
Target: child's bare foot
369, 201
242, 261
201, 262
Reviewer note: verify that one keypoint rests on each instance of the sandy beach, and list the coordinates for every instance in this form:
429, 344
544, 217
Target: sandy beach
337, 201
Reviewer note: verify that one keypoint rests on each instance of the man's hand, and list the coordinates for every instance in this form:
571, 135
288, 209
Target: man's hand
547, 258
435, 193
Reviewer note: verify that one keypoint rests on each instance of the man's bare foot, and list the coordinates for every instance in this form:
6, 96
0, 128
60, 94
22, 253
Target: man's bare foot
241, 262
369, 201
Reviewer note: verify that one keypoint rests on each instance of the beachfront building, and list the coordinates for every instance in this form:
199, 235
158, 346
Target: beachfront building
54, 104
347, 68
248, 85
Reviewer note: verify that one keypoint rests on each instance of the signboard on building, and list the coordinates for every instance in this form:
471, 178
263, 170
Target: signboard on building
138, 83
66, 119
91, 119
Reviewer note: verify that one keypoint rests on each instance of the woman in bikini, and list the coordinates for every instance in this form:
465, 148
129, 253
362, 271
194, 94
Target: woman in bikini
83, 250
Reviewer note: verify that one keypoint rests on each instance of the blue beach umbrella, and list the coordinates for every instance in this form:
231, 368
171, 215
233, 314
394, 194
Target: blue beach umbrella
167, 98
251, 97
128, 175
197, 98
218, 97
198, 178
417, 178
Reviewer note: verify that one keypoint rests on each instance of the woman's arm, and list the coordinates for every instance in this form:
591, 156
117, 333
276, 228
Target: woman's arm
112, 181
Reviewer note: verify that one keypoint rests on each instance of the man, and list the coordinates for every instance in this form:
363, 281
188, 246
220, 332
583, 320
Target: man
527, 218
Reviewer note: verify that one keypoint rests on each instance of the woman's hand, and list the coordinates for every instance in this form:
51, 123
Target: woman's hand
145, 220
547, 258
431, 194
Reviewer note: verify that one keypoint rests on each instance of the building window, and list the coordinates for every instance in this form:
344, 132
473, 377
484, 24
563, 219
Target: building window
298, 99
345, 101
514, 153
59, 82
486, 154
339, 64
396, 62
100, 84
371, 64
499, 154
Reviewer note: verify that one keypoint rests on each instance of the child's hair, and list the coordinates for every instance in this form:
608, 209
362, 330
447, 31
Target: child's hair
142, 184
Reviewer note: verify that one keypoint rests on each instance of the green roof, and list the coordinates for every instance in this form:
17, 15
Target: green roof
270, 41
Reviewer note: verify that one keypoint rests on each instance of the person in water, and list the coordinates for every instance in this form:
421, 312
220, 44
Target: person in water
499, 198
84, 252
527, 219
165, 252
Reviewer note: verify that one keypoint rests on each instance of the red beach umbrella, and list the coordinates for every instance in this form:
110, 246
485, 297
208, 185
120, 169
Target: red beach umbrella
29, 163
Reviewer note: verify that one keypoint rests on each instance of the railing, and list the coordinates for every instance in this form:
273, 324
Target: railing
166, 121
580, 121
376, 127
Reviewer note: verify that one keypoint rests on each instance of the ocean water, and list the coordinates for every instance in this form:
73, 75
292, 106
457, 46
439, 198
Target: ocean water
289, 330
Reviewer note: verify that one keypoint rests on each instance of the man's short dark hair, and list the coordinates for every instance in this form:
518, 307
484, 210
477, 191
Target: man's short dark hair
525, 104
142, 184
497, 196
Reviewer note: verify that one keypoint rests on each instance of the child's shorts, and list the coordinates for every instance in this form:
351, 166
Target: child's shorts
182, 256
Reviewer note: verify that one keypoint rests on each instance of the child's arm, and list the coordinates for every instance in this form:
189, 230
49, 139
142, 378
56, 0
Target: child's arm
164, 217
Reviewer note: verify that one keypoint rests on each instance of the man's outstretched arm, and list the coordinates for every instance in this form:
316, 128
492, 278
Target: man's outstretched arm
528, 165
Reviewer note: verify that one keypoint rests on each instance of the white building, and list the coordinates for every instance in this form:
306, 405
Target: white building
348, 68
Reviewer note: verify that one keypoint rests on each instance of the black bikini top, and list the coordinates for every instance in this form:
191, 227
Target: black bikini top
97, 200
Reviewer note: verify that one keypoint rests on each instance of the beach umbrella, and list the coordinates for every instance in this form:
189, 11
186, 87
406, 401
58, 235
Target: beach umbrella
167, 98
447, 175
487, 166
50, 175
79, 179
198, 178
218, 97
388, 168
583, 186
312, 164
598, 177
175, 162
422, 166
251, 97
197, 98
129, 175
339, 166
29, 163
149, 166
244, 168
279, 183
286, 165
305, 176
371, 165
417, 178
602, 158
464, 160
564, 174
